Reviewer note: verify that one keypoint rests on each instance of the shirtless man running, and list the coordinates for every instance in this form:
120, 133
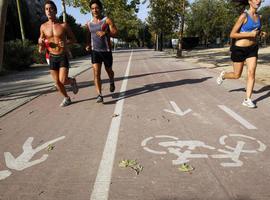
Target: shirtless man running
55, 36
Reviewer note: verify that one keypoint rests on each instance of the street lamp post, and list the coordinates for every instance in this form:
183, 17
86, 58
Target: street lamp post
64, 11
3, 13
20, 19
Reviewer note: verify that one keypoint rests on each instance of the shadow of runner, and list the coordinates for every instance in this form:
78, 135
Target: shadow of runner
261, 90
153, 87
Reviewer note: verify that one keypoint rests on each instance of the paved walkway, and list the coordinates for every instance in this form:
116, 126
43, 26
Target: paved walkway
220, 58
19, 88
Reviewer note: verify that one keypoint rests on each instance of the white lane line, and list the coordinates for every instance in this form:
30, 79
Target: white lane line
237, 117
103, 179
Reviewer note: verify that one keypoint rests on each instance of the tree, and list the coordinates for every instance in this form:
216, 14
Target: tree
265, 12
210, 19
122, 12
181, 32
164, 17
3, 12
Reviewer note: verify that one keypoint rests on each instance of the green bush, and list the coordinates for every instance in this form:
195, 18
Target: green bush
37, 57
77, 50
18, 55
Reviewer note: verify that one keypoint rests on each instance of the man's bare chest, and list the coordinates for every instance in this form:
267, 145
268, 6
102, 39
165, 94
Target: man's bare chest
55, 30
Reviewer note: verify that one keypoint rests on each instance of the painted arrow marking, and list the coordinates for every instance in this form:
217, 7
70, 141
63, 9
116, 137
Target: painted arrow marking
23, 161
177, 110
4, 174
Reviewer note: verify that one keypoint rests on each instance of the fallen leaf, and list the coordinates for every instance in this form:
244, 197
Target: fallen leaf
50, 147
138, 168
31, 112
115, 115
131, 164
186, 168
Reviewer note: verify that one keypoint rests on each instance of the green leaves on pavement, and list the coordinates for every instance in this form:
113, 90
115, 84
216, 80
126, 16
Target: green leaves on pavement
131, 164
186, 168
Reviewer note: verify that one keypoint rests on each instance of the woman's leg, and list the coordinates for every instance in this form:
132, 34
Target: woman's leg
237, 71
252, 64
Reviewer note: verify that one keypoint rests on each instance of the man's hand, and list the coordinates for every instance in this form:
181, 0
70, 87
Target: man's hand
263, 34
101, 33
41, 45
61, 44
88, 48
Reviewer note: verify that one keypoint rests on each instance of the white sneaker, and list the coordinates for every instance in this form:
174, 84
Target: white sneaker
65, 102
220, 78
248, 103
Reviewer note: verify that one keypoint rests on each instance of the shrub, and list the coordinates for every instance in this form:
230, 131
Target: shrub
77, 50
18, 55
37, 57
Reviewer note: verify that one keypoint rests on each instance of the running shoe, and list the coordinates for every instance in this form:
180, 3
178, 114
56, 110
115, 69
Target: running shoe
74, 86
65, 102
112, 87
99, 99
248, 103
220, 78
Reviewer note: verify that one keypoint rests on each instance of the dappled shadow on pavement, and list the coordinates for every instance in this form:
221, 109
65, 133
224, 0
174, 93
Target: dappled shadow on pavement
154, 87
240, 197
42, 88
261, 90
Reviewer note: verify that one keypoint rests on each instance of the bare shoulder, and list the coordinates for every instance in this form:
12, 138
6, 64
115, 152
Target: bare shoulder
109, 20
43, 25
65, 25
243, 16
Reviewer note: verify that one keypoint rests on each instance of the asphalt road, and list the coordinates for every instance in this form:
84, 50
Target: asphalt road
165, 114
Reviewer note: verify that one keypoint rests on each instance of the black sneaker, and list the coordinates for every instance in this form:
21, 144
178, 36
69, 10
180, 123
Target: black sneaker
112, 87
99, 99
74, 86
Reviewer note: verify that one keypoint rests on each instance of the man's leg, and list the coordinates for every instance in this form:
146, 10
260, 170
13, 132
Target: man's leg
97, 81
110, 73
60, 86
65, 80
108, 62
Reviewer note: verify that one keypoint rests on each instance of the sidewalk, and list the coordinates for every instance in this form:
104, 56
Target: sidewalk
19, 88
220, 58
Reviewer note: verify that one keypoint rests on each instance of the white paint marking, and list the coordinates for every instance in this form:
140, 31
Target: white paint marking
23, 161
237, 117
177, 110
4, 174
103, 179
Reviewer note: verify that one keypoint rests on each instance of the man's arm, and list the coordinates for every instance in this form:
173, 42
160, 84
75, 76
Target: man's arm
113, 30
88, 39
41, 45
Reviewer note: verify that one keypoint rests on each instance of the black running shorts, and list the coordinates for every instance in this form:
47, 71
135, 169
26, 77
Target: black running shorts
240, 54
58, 61
105, 57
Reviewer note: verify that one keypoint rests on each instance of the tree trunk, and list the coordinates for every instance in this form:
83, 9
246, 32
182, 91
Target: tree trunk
181, 33
156, 46
160, 48
20, 20
3, 12
64, 11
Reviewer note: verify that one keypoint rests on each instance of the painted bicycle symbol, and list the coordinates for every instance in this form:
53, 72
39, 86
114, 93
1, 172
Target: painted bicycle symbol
184, 149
